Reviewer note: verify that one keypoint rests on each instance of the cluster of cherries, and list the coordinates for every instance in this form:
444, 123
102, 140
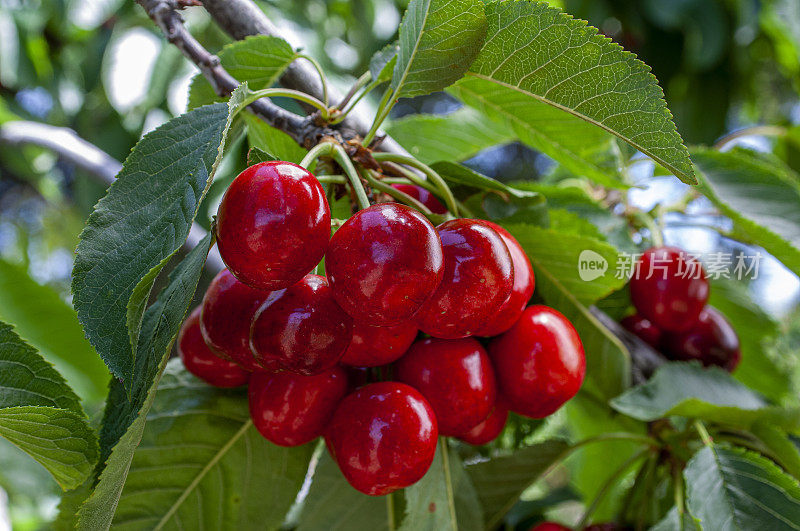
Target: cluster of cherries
342, 357
670, 290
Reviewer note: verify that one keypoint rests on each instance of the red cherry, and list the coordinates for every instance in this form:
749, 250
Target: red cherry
643, 329
289, 409
357, 376
202, 362
521, 291
456, 378
712, 341
478, 276
301, 328
539, 363
228, 308
423, 196
273, 225
669, 288
383, 436
383, 263
549, 526
373, 346
490, 427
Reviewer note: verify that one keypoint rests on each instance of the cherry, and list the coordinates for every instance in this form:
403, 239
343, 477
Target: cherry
712, 341
301, 328
201, 360
521, 290
643, 329
228, 308
456, 378
478, 276
669, 288
383, 263
539, 362
273, 225
549, 526
423, 196
490, 427
289, 409
383, 437
373, 346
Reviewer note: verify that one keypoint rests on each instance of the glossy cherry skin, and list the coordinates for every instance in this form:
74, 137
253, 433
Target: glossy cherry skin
643, 329
301, 328
539, 362
383, 263
490, 427
289, 409
273, 225
521, 290
712, 341
202, 361
550, 526
423, 196
669, 288
228, 308
383, 437
373, 346
478, 276
456, 378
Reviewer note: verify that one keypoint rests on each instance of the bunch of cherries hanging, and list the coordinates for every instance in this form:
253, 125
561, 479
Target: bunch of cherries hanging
342, 356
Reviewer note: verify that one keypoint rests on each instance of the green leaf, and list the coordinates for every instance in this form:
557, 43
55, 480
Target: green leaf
272, 141
786, 453
547, 56
142, 221
41, 414
452, 137
230, 478
438, 41
258, 60
761, 196
460, 174
256, 156
381, 65
673, 522
733, 489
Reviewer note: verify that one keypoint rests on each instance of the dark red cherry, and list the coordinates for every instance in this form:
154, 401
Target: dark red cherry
539, 362
383, 263
521, 291
289, 409
423, 196
228, 309
711, 341
456, 378
273, 225
301, 328
373, 346
669, 288
478, 275
490, 427
383, 437
201, 360
357, 376
549, 526
643, 329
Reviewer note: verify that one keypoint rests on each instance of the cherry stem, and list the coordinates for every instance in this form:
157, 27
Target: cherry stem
340, 156
322, 79
447, 195
358, 85
325, 149
288, 93
343, 114
703, 432
372, 178
390, 511
383, 111
451, 504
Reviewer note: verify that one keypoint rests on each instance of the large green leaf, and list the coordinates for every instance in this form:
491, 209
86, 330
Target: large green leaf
734, 489
438, 41
760, 194
547, 56
142, 221
41, 414
202, 463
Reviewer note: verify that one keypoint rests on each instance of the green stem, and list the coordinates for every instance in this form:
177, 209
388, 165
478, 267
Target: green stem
390, 511
677, 485
322, 79
287, 93
402, 197
332, 179
703, 432
447, 195
358, 85
764, 130
451, 504
383, 111
414, 178
320, 150
344, 161
655, 232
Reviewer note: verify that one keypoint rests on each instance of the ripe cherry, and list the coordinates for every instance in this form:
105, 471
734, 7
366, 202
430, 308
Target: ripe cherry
539, 362
550, 526
383, 436
289, 409
383, 263
423, 196
373, 346
273, 225
643, 329
201, 360
456, 378
228, 309
521, 291
478, 276
669, 288
712, 341
301, 328
490, 427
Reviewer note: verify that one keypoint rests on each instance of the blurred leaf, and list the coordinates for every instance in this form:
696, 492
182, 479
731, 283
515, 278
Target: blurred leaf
272, 141
460, 174
673, 522
786, 453
382, 63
